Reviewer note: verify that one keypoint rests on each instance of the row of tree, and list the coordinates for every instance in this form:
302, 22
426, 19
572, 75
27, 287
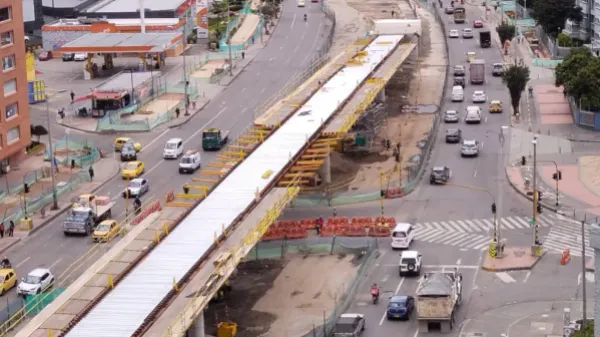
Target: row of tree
552, 14
579, 74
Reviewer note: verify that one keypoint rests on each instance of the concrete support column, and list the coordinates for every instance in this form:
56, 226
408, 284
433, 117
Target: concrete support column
197, 330
594, 234
381, 95
326, 170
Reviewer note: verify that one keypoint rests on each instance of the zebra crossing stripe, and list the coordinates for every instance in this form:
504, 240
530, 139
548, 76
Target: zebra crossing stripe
436, 225
516, 222
505, 223
472, 225
434, 237
464, 225
459, 241
483, 243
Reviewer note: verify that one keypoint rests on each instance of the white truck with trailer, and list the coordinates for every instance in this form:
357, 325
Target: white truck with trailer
83, 218
437, 300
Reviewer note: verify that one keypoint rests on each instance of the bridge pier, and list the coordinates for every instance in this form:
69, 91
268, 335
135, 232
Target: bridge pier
381, 96
197, 330
325, 170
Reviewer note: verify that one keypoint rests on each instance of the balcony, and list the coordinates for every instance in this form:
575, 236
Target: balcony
572, 29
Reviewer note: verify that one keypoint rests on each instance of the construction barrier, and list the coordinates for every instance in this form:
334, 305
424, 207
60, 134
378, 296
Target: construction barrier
170, 196
285, 230
395, 192
565, 257
154, 207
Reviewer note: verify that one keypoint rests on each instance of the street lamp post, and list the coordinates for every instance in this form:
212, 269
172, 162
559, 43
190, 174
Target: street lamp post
583, 270
52, 161
535, 192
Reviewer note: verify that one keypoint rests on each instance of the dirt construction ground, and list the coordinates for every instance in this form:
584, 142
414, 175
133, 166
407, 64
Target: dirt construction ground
424, 69
274, 298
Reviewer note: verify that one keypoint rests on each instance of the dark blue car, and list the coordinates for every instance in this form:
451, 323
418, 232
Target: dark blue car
400, 307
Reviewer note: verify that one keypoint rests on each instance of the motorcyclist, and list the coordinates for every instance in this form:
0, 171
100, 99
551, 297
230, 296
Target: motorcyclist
305, 17
137, 203
375, 290
5, 263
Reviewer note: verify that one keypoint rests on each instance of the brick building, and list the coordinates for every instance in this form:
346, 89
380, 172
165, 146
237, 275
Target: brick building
14, 110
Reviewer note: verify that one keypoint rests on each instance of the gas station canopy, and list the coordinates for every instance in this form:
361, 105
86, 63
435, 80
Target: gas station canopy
122, 43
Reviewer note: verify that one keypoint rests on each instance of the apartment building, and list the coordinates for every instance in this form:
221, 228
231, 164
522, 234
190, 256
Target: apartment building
14, 110
589, 27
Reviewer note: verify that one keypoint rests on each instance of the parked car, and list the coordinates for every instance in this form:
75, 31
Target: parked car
80, 57
45, 55
67, 57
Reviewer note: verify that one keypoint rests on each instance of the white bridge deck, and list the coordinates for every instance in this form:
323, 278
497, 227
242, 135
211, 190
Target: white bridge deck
126, 307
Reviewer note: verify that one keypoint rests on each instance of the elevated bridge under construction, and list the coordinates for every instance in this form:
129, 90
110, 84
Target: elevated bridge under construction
158, 279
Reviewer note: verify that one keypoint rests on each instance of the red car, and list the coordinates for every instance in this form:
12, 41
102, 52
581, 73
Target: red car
45, 56
477, 24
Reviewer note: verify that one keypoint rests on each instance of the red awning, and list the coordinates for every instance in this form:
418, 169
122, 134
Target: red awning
84, 97
107, 95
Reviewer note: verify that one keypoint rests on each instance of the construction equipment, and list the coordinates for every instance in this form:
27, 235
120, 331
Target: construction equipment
214, 139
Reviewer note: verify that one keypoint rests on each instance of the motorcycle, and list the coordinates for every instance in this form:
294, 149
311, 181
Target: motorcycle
375, 295
304, 17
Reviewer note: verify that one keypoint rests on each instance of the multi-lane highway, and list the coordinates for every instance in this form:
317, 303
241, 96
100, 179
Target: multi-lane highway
293, 45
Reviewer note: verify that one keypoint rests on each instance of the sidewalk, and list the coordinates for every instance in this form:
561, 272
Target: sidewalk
105, 169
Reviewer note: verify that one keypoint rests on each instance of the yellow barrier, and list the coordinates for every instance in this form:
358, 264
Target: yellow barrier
224, 267
16, 318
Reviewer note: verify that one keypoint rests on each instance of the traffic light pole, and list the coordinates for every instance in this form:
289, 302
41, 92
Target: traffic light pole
535, 193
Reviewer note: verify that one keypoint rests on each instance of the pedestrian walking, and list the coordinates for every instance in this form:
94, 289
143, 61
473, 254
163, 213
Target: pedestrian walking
91, 172
11, 229
177, 112
243, 55
253, 39
1, 230
72, 97
319, 225
393, 13
334, 212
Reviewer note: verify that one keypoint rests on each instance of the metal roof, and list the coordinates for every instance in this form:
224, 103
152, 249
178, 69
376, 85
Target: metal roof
126, 80
126, 307
128, 6
106, 42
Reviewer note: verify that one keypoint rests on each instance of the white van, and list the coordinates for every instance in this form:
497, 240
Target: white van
402, 235
458, 93
173, 148
190, 162
473, 114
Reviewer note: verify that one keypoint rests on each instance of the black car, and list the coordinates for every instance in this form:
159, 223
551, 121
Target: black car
128, 152
459, 71
459, 81
68, 56
453, 135
449, 10
497, 69
440, 175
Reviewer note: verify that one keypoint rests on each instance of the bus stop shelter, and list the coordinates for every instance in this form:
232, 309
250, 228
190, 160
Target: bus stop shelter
146, 46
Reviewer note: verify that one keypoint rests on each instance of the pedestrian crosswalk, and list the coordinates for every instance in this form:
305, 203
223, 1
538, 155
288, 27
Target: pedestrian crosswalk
566, 233
472, 233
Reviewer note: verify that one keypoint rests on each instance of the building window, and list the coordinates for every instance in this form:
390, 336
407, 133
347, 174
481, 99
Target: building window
6, 38
10, 86
12, 134
8, 62
5, 14
11, 110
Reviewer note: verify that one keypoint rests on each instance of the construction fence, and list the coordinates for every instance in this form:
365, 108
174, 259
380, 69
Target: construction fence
365, 250
29, 178
67, 150
29, 306
233, 26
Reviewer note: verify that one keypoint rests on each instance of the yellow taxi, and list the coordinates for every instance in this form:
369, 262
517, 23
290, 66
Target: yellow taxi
9, 279
495, 106
471, 56
106, 231
120, 141
84, 200
132, 170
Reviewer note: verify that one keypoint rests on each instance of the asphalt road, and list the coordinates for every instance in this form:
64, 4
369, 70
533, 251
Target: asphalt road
292, 46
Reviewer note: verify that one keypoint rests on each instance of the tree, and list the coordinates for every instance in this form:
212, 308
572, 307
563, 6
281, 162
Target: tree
585, 331
505, 32
564, 40
552, 14
515, 78
38, 130
578, 58
584, 87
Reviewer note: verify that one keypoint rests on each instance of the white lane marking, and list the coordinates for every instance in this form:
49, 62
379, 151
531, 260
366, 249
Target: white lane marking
243, 110
155, 139
416, 333
281, 48
54, 264
458, 262
22, 262
504, 277
309, 54
481, 147
527, 276
243, 89
293, 21
263, 90
395, 293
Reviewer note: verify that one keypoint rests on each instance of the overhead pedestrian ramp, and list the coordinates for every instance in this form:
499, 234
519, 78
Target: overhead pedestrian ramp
206, 245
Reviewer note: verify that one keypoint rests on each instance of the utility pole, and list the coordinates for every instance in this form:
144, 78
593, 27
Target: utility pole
583, 281
498, 238
52, 160
535, 192
229, 40
186, 85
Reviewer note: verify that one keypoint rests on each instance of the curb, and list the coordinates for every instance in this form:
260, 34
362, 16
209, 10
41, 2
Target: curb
530, 267
188, 118
53, 217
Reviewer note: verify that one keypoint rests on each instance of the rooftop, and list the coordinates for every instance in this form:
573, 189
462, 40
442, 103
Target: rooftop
122, 42
128, 6
124, 81
117, 22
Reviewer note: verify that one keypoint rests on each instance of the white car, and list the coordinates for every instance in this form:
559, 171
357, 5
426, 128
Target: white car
470, 148
410, 263
37, 281
301, 3
473, 114
136, 188
467, 33
479, 97
80, 56
173, 148
453, 34
451, 116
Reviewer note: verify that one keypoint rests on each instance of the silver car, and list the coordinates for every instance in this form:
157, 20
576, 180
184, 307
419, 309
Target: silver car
470, 148
451, 116
136, 188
